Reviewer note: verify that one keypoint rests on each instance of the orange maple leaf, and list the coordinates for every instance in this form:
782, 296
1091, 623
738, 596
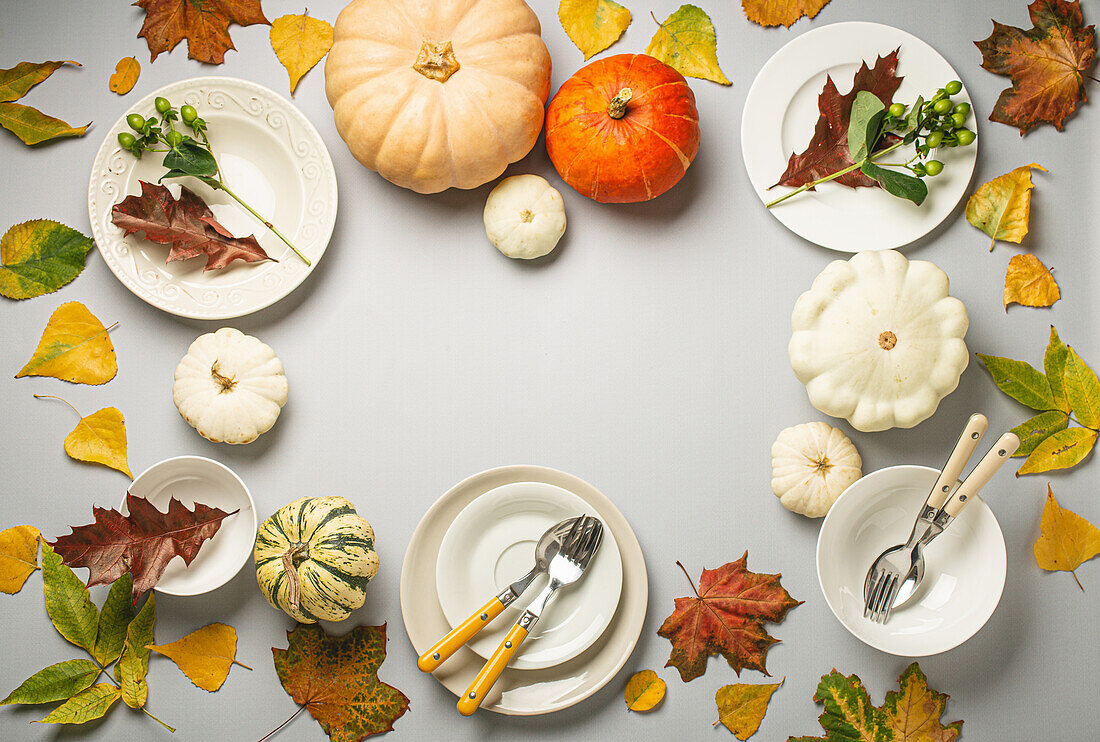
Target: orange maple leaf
205, 25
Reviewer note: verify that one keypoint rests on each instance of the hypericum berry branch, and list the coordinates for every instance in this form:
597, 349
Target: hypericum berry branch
929, 125
185, 156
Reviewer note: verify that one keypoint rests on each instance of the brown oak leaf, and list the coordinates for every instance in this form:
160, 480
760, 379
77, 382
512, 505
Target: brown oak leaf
187, 224
204, 24
827, 151
726, 616
141, 543
336, 679
1047, 63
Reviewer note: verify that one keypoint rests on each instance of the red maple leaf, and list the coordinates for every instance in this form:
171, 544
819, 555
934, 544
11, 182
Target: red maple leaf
1048, 65
827, 151
726, 616
204, 24
187, 224
141, 543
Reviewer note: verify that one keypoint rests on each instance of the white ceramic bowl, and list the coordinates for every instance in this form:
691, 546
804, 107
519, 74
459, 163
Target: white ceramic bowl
192, 479
965, 567
492, 543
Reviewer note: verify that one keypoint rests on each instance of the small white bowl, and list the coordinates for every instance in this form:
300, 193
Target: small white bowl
965, 567
193, 479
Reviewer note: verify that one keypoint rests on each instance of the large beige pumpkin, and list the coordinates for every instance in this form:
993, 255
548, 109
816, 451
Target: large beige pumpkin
437, 94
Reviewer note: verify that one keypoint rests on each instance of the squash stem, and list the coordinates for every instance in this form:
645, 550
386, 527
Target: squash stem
290, 565
616, 107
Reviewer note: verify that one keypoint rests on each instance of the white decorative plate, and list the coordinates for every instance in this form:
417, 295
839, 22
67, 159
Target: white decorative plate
780, 115
492, 543
271, 156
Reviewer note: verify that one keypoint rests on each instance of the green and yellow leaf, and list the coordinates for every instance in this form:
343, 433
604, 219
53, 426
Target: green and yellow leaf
1002, 207
643, 691
1060, 451
741, 707
114, 619
1082, 390
1020, 381
1066, 540
1054, 363
17, 81
75, 347
133, 665
67, 601
18, 557
55, 683
39, 257
1036, 430
686, 41
85, 706
35, 127
593, 25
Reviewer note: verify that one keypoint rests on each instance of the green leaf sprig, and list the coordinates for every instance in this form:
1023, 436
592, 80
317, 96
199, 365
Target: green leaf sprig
185, 156
1067, 392
927, 125
115, 634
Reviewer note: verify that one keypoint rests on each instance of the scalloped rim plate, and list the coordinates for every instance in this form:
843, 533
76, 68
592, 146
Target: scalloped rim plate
271, 156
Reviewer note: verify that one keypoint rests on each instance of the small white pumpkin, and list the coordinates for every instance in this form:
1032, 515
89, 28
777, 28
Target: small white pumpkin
524, 217
878, 341
812, 464
230, 386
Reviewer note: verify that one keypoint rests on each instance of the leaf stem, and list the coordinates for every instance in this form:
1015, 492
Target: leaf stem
237, 662
1074, 573
690, 581
222, 186
276, 729
146, 712
834, 176
61, 399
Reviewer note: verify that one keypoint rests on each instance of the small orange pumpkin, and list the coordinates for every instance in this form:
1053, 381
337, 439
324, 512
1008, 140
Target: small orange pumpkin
623, 129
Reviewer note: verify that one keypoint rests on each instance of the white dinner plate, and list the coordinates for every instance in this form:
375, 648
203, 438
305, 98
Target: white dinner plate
271, 156
965, 567
523, 692
781, 112
492, 543
192, 479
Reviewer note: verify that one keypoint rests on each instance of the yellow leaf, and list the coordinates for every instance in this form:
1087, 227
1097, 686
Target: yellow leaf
99, 438
74, 347
686, 42
644, 691
205, 655
125, 76
18, 557
593, 25
1062, 450
1066, 539
300, 42
1001, 208
1030, 283
741, 707
781, 12
1082, 389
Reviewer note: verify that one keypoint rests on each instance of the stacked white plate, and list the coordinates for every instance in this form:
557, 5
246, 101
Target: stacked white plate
481, 536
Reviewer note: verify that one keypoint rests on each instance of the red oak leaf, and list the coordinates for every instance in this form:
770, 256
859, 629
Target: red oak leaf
827, 151
1048, 65
187, 224
725, 617
141, 543
204, 24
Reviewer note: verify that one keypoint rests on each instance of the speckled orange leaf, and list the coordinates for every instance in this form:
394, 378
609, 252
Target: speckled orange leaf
1002, 207
1030, 283
18, 557
125, 76
1047, 63
725, 616
205, 655
1066, 540
336, 679
781, 12
643, 691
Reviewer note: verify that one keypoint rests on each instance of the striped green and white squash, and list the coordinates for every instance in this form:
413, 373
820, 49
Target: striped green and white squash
314, 558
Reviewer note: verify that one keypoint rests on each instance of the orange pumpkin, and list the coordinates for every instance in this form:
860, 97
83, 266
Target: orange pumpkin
623, 129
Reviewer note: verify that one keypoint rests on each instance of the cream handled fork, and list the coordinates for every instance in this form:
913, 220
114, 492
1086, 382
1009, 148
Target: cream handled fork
566, 567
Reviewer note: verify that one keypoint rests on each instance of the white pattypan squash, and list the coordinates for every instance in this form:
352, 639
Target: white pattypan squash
230, 386
812, 464
524, 217
878, 341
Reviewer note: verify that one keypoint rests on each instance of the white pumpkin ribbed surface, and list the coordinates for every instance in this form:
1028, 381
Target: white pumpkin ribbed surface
812, 464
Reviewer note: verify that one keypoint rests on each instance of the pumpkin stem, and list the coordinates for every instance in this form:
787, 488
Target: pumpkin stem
436, 61
292, 557
887, 340
616, 109
227, 382
526, 216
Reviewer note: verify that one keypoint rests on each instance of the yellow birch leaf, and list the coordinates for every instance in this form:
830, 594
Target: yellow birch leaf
741, 707
781, 12
686, 42
125, 76
99, 438
644, 691
18, 557
1030, 283
74, 347
1002, 207
300, 42
205, 655
1062, 450
593, 25
1066, 540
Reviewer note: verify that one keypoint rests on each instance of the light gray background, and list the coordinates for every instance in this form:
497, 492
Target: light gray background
648, 357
